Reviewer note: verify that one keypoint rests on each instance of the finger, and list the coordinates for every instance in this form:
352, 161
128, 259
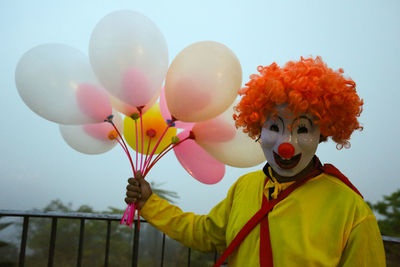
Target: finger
129, 200
141, 181
133, 188
138, 175
133, 181
133, 194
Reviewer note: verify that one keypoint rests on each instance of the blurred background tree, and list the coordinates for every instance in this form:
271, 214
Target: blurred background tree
389, 224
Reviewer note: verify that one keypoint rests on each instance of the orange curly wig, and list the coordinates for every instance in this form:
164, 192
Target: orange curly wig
307, 86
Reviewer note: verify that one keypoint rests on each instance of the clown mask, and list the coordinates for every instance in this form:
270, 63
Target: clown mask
289, 142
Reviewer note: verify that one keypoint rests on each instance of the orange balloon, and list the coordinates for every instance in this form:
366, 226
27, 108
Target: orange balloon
153, 127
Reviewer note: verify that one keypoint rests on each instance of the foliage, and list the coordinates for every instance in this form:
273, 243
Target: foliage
389, 208
165, 194
389, 225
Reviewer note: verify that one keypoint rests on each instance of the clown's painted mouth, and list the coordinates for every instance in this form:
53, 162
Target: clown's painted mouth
287, 163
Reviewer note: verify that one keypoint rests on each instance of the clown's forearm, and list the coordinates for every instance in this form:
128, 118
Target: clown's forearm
201, 232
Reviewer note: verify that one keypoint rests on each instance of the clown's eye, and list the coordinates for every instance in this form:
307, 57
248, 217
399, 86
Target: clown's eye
274, 128
302, 129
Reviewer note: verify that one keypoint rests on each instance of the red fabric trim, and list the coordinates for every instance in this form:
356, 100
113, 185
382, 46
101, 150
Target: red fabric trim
332, 170
266, 259
240, 236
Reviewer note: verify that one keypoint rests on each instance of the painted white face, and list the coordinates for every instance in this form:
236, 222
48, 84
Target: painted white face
289, 143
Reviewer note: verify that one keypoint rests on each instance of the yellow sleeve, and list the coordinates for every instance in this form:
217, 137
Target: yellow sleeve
200, 232
364, 246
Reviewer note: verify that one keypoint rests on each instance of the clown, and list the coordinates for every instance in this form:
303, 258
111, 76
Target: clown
296, 211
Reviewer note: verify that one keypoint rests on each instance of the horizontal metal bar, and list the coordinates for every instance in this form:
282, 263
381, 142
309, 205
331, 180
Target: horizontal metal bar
94, 216
391, 239
55, 214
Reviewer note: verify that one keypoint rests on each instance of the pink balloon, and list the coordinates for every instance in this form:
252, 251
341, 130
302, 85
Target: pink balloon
93, 101
197, 162
214, 130
167, 115
136, 88
100, 131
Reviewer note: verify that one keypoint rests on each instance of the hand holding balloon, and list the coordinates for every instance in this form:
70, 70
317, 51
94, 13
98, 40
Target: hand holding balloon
138, 190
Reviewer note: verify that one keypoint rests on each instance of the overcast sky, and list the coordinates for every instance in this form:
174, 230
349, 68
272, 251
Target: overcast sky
362, 37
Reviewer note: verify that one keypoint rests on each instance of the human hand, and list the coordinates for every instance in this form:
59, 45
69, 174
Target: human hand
138, 190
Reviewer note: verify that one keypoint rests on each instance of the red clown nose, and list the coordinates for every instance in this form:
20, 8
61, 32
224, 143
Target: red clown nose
286, 150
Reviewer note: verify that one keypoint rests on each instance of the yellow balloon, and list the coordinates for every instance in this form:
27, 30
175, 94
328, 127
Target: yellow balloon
153, 127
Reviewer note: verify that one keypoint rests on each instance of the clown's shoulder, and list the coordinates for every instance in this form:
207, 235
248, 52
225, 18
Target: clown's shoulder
328, 188
325, 189
250, 181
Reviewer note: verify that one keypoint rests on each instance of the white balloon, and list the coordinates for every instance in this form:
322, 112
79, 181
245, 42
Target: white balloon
92, 138
129, 56
48, 78
237, 149
202, 81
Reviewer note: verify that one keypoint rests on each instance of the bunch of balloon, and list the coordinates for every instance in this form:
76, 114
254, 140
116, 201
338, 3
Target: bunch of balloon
128, 59
127, 64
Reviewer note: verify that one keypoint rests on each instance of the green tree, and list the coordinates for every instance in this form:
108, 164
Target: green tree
389, 208
389, 225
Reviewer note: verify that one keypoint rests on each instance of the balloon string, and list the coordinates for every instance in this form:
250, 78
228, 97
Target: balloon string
141, 129
119, 142
165, 151
147, 154
155, 147
125, 214
131, 214
156, 158
137, 148
124, 147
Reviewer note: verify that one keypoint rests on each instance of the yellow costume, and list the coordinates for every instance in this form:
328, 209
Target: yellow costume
321, 223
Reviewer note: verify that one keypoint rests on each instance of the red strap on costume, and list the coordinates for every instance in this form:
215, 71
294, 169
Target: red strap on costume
332, 170
266, 259
265, 239
265, 208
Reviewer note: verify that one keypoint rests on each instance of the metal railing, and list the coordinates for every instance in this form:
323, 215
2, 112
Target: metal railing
54, 216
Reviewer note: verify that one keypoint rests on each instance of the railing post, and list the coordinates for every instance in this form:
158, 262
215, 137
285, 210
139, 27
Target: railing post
189, 252
52, 241
23, 242
135, 251
80, 246
162, 250
107, 243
